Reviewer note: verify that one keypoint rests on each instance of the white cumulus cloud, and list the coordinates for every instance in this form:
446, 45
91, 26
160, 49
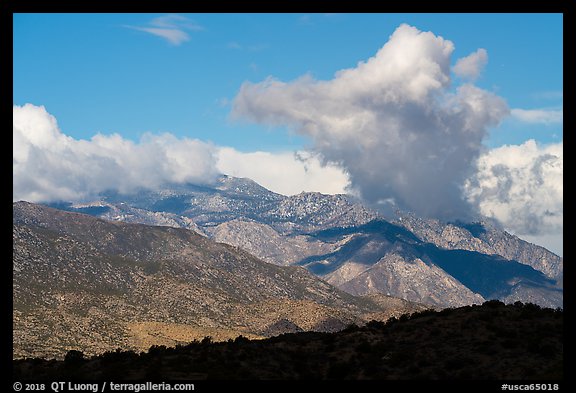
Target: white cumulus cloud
49, 165
286, 173
471, 66
521, 186
393, 123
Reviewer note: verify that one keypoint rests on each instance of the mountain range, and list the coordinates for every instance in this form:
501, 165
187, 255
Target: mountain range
84, 283
349, 245
168, 266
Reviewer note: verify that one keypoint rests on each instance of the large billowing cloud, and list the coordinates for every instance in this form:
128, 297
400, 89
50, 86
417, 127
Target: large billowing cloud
522, 187
394, 123
48, 165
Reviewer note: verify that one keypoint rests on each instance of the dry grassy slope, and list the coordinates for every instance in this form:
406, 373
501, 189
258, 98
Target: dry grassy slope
145, 334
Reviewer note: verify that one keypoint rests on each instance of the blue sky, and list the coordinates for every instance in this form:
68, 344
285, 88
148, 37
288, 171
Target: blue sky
95, 73
447, 115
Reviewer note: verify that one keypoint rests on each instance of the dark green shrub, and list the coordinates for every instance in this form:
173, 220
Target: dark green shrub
74, 357
338, 370
206, 340
494, 303
364, 347
376, 325
351, 328
157, 350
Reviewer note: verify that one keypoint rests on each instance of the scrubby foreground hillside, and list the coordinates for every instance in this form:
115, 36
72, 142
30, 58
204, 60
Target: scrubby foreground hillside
492, 341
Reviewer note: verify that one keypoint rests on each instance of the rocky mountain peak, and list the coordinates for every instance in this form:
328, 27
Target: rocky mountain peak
246, 187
